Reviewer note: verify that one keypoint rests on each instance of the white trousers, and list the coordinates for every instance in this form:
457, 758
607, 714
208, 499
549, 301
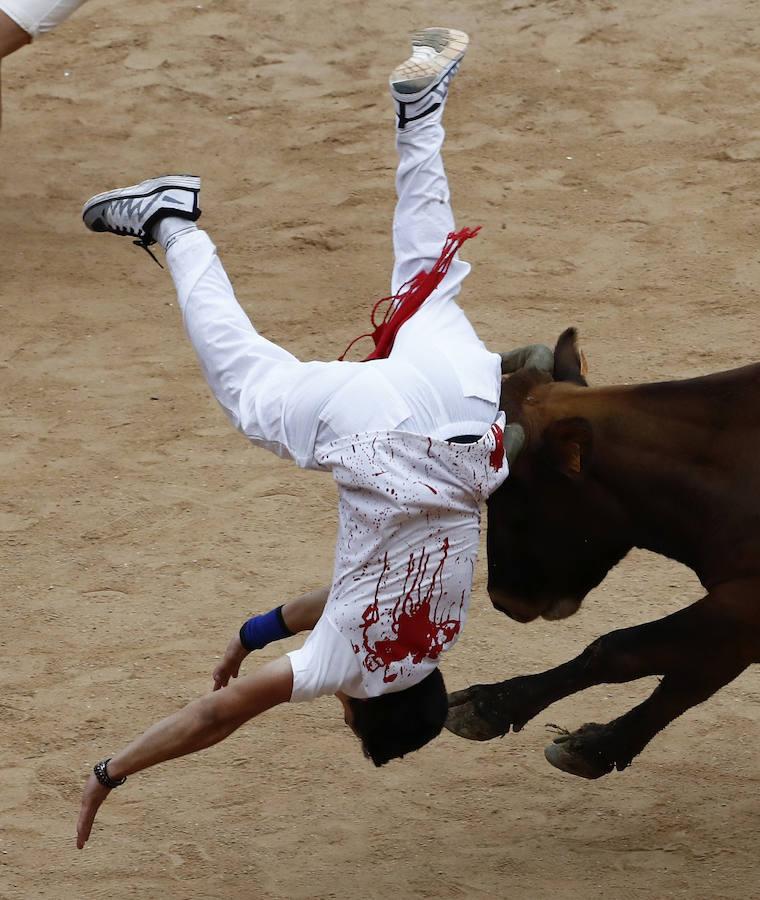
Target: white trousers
39, 16
439, 380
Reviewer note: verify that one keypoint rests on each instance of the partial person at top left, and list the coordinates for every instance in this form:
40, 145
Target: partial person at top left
21, 21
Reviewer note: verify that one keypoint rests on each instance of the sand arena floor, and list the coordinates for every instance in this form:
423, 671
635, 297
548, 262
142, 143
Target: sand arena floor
611, 152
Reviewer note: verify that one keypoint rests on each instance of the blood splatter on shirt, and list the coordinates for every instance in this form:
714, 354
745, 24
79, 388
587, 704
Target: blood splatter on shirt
420, 625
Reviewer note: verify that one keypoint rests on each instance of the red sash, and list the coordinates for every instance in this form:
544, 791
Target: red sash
403, 305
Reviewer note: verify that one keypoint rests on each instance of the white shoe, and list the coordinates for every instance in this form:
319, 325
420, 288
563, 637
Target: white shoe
420, 84
134, 211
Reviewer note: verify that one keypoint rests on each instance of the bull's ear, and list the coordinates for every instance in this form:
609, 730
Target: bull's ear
568, 444
569, 362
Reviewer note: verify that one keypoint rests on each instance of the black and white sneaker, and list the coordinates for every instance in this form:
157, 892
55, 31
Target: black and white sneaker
420, 84
134, 211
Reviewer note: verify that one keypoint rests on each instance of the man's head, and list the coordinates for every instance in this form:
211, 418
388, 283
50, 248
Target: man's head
400, 722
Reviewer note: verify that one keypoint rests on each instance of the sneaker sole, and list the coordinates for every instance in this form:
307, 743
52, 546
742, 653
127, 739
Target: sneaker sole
414, 78
143, 189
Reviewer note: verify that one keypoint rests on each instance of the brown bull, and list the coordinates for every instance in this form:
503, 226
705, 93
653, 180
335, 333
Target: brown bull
671, 467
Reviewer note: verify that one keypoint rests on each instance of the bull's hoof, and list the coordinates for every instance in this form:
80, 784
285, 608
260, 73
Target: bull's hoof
579, 753
464, 722
466, 716
485, 711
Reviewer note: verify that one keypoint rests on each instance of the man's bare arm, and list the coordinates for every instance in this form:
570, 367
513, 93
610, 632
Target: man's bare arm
199, 725
301, 614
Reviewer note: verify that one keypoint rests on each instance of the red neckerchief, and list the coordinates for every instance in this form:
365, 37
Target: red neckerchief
403, 305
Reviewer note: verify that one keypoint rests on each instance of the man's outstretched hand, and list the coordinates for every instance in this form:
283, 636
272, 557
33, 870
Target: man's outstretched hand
229, 667
92, 797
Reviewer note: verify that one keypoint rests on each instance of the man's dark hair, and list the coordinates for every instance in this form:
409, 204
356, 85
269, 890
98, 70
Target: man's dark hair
401, 721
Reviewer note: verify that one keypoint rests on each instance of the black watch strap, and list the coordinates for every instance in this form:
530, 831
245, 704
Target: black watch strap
101, 773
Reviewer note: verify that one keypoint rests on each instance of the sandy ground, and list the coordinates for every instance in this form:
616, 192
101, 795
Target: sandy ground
612, 153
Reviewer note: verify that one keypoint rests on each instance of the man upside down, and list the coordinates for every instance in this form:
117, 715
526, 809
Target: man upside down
412, 436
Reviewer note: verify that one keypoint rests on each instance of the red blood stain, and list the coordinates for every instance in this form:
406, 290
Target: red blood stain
497, 454
419, 629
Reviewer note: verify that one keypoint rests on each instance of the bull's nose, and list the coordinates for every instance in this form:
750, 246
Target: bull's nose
516, 608
561, 609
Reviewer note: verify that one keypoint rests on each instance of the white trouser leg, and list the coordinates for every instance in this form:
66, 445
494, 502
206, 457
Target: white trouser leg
422, 221
269, 395
423, 216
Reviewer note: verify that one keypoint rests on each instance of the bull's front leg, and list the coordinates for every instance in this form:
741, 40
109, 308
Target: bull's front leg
595, 750
485, 711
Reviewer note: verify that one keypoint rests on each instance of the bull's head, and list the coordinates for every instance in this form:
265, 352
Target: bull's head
554, 530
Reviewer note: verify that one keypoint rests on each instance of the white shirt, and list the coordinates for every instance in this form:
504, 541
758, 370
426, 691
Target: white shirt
408, 535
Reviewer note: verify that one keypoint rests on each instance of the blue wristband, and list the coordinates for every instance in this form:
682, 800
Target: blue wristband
259, 631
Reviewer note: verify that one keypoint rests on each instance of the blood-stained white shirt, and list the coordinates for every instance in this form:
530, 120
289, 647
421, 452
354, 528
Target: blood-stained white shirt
408, 535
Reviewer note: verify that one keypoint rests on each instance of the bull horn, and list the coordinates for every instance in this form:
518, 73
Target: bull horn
514, 439
534, 356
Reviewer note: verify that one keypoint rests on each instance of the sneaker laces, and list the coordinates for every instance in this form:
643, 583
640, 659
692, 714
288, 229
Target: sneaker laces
144, 240
145, 243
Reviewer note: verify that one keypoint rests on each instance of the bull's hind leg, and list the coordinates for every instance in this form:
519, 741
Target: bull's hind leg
705, 631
